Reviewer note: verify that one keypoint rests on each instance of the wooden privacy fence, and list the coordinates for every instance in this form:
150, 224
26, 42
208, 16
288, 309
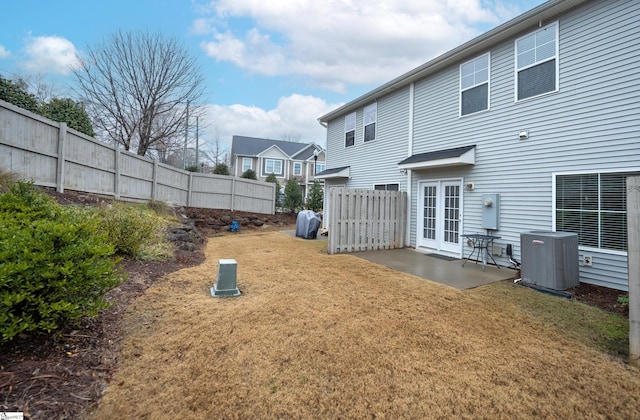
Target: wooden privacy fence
363, 220
54, 156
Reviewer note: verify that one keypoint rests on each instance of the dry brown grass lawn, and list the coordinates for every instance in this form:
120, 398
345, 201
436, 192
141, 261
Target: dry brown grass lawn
320, 336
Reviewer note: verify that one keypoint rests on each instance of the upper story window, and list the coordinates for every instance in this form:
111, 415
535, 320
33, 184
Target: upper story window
474, 85
320, 166
273, 166
247, 163
349, 130
297, 168
370, 117
537, 62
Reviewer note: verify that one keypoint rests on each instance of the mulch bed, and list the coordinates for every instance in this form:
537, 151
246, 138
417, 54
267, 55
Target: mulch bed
64, 376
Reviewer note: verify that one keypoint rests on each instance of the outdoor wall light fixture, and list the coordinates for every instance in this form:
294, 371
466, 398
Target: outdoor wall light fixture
403, 171
524, 134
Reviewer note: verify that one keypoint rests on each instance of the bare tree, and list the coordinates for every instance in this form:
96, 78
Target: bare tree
140, 89
292, 136
219, 153
43, 91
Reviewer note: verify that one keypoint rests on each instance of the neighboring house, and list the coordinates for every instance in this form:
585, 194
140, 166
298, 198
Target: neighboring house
285, 159
543, 110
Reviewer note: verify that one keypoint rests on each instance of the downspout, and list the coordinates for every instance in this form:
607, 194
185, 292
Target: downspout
407, 238
325, 200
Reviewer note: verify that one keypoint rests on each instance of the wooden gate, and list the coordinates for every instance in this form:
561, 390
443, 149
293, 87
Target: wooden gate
363, 220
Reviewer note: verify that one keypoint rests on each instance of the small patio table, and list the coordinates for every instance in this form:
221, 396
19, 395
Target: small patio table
481, 244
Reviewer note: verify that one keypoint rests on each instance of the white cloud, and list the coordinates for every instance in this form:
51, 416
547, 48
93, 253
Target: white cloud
295, 114
50, 54
341, 42
4, 53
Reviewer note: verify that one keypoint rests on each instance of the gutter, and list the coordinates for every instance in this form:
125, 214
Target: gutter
526, 21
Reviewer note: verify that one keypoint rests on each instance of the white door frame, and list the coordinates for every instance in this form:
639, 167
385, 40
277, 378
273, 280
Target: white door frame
438, 244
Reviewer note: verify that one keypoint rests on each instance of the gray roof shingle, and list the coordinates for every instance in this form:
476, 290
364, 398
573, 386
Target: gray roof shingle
253, 146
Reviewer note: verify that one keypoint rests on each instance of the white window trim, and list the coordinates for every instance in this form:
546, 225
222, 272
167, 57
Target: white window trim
365, 124
299, 171
244, 159
556, 57
386, 185
554, 176
267, 172
344, 139
488, 82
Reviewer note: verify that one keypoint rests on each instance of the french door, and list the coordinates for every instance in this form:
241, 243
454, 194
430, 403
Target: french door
439, 215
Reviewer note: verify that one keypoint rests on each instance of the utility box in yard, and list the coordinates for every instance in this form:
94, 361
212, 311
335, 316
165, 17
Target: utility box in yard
225, 285
550, 259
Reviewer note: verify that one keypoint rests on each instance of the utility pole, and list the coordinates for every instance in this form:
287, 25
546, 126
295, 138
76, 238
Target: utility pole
197, 144
186, 138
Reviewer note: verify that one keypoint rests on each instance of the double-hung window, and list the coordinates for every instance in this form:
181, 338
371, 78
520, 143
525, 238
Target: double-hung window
349, 129
370, 118
247, 163
474, 85
593, 205
537, 62
320, 166
273, 166
297, 168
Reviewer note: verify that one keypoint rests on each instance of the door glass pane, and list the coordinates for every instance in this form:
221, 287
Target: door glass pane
451, 214
429, 215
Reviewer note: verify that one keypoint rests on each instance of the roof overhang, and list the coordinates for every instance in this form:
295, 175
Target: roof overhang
537, 16
457, 156
335, 173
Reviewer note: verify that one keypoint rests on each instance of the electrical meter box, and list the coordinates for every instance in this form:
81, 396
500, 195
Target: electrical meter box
491, 211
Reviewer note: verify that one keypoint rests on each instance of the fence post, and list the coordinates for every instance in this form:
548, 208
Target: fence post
189, 188
233, 192
116, 177
633, 255
62, 137
154, 181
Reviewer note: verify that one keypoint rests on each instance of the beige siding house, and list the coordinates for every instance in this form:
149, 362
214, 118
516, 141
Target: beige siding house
284, 159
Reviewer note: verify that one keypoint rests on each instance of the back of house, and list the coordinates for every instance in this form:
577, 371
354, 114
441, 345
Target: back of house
541, 115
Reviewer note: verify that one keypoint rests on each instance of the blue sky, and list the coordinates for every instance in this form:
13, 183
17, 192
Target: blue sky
271, 67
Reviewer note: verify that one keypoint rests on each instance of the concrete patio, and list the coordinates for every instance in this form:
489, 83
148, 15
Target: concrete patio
434, 268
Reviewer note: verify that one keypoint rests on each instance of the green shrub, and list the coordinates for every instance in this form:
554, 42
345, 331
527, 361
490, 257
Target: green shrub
221, 169
316, 197
272, 178
249, 174
623, 300
128, 227
56, 266
293, 199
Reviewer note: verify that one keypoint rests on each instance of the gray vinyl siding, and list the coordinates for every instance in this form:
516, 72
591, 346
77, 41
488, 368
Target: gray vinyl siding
391, 142
591, 124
